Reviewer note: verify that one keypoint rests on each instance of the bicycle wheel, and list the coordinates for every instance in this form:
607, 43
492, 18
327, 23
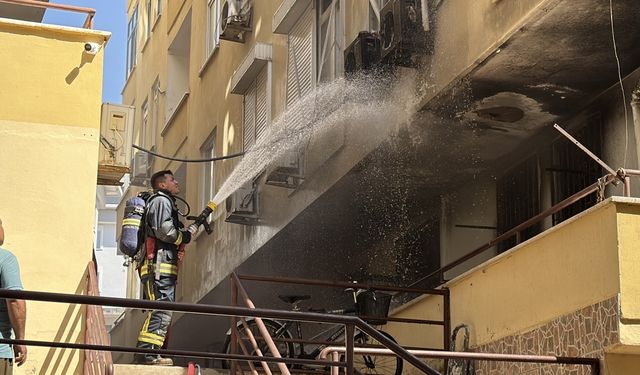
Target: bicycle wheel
375, 364
276, 331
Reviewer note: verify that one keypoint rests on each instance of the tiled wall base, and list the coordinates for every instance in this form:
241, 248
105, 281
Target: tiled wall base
583, 333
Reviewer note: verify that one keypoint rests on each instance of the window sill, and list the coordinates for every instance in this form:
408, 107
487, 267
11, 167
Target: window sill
207, 62
155, 23
146, 42
126, 82
181, 103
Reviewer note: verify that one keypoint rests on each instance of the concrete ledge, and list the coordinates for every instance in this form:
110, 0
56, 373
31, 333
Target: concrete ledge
287, 14
250, 68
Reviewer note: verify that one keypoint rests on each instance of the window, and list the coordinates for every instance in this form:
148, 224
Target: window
256, 109
147, 29
330, 31
518, 198
155, 112
207, 151
132, 40
374, 14
573, 170
145, 124
213, 26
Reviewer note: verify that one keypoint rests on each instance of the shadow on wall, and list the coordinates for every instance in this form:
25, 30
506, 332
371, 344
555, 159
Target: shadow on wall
72, 328
73, 74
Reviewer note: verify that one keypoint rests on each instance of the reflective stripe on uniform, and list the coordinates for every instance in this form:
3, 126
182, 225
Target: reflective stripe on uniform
165, 269
179, 239
133, 222
151, 338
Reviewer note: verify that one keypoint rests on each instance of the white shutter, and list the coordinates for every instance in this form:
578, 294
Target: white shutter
250, 117
261, 103
300, 59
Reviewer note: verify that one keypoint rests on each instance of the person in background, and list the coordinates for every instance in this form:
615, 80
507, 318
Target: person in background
13, 312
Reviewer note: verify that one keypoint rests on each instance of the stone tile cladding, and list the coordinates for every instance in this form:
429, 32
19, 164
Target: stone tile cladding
583, 333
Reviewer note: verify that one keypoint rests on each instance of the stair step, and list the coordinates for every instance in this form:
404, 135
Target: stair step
160, 370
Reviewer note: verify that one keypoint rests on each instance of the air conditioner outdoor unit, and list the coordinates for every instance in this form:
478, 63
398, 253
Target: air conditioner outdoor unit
403, 32
236, 20
242, 205
288, 172
116, 136
363, 53
140, 170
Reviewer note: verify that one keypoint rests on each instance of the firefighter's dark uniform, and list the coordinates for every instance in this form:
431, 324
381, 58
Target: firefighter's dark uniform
162, 224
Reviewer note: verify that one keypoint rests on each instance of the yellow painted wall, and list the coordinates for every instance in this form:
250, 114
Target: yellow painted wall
49, 130
566, 268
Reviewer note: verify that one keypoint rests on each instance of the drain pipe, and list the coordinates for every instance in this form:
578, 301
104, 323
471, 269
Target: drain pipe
635, 111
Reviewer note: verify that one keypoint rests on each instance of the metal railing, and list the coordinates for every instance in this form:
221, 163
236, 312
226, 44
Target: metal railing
95, 362
349, 321
88, 23
444, 293
622, 175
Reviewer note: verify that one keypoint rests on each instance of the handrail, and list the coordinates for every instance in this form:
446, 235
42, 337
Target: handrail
349, 329
263, 330
444, 292
95, 362
217, 310
515, 231
593, 363
88, 23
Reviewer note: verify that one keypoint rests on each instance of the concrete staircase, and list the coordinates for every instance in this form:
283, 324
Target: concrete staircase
160, 370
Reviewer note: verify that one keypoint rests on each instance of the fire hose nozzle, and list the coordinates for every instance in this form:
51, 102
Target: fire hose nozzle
202, 218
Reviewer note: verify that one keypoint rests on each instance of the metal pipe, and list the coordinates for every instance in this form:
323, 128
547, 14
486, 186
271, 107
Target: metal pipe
586, 361
635, 113
335, 357
446, 312
586, 150
256, 348
396, 348
234, 325
627, 186
168, 352
338, 284
177, 306
349, 333
261, 327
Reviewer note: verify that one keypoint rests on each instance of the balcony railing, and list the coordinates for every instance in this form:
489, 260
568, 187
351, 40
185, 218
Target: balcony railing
88, 23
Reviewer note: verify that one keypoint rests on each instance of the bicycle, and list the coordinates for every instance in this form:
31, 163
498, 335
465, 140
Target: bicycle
366, 303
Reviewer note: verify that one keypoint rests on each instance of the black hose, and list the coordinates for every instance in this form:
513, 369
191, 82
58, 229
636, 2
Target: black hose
188, 160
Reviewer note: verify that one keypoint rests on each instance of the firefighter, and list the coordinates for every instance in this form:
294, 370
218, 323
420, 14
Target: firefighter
158, 272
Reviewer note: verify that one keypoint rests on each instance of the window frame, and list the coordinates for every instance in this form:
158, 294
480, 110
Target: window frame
147, 29
254, 86
155, 112
132, 41
144, 123
334, 17
208, 170
212, 40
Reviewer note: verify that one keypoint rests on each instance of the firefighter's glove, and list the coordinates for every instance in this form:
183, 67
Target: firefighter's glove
193, 228
186, 237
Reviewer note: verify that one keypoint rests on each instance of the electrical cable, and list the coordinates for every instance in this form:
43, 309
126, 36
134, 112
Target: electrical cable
624, 97
188, 160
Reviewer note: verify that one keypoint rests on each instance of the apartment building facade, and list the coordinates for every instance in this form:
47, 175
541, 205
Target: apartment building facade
461, 150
